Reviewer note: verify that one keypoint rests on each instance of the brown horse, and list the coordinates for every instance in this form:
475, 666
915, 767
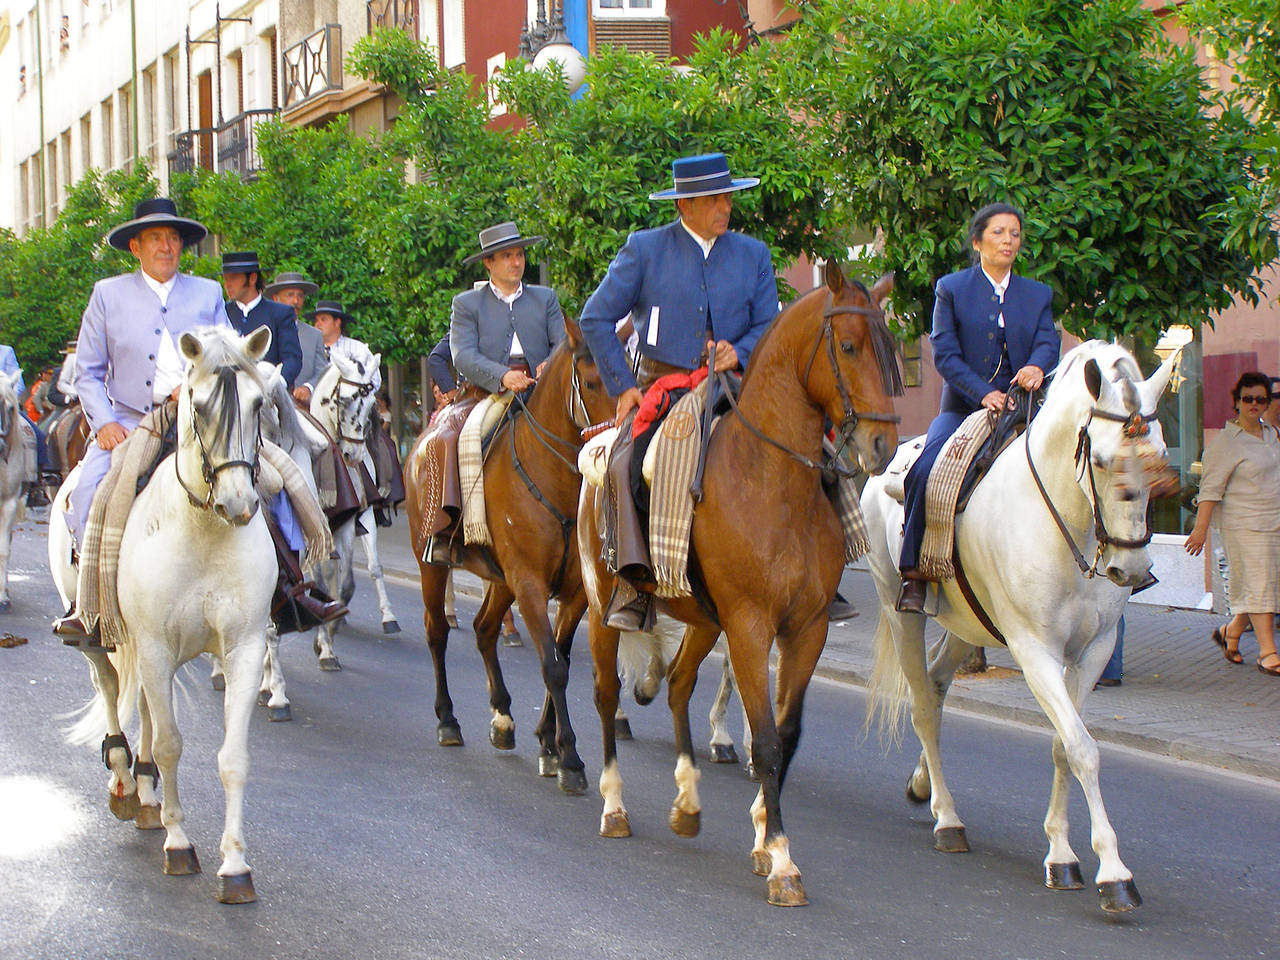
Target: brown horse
531, 495
68, 438
768, 548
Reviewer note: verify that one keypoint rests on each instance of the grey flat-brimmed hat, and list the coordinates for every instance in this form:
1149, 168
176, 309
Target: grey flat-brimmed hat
501, 236
284, 281
157, 212
702, 176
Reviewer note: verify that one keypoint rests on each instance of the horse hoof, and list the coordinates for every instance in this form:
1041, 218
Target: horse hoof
950, 840
723, 753
452, 621
751, 772
219, 682
449, 735
621, 728
548, 764
1119, 896
503, 738
237, 888
572, 782
315, 645
277, 714
1063, 876
148, 817
5, 606
124, 808
787, 892
264, 697
684, 824
181, 862
330, 663
761, 863
913, 796
390, 626
615, 825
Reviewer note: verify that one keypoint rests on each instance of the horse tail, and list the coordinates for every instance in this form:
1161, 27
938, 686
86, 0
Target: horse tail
888, 692
643, 658
91, 724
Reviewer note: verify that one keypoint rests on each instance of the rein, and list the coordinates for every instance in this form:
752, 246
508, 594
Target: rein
208, 469
363, 390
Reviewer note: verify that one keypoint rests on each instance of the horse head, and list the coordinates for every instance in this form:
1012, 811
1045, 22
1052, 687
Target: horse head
857, 384
1120, 456
577, 384
219, 410
281, 422
344, 402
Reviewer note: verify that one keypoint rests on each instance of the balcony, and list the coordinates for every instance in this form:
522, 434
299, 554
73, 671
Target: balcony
313, 66
398, 14
230, 148
192, 149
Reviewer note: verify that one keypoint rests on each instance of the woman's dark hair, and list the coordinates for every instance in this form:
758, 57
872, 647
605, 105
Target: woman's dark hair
978, 224
1251, 379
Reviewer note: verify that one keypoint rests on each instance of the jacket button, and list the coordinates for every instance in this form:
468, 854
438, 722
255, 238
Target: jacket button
164, 309
157, 333
151, 356
991, 336
148, 383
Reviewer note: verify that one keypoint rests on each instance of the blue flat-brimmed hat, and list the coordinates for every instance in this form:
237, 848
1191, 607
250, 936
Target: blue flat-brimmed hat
501, 236
244, 262
701, 176
157, 212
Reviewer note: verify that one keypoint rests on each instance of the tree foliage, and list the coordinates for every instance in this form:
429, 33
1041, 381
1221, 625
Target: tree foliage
1082, 115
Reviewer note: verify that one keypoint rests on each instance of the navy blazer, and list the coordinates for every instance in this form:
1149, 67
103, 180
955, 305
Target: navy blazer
678, 300
285, 348
440, 365
967, 338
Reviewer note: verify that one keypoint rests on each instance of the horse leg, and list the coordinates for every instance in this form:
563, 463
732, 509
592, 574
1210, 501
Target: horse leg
722, 750
146, 773
157, 686
335, 574
614, 822
8, 508
685, 818
487, 625
1044, 675
553, 651
122, 789
369, 542
450, 613
217, 679
271, 693
244, 664
434, 579
943, 658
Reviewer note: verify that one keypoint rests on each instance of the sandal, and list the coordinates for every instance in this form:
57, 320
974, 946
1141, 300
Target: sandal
1270, 671
1233, 656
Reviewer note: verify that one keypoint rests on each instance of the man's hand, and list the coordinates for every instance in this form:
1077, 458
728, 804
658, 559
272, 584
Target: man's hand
1029, 378
726, 358
542, 366
517, 380
302, 394
995, 401
627, 401
111, 435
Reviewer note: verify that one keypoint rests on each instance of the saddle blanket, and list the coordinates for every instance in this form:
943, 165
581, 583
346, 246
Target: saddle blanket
943, 490
480, 423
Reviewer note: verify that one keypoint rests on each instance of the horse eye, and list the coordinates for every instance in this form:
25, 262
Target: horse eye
847, 347
591, 386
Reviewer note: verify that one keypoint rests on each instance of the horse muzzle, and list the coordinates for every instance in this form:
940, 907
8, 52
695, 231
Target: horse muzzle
875, 449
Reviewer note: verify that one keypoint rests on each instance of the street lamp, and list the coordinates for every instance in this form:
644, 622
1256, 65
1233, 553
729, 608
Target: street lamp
546, 41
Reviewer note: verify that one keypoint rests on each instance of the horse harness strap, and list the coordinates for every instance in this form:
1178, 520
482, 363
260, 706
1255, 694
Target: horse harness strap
566, 523
966, 590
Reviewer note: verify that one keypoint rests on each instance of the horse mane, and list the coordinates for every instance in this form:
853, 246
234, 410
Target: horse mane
222, 358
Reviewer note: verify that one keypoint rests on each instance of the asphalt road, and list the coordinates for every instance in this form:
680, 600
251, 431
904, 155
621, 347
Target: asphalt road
367, 839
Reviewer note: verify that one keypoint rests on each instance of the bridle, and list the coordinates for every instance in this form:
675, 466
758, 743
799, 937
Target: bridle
890, 377
363, 389
209, 470
1136, 425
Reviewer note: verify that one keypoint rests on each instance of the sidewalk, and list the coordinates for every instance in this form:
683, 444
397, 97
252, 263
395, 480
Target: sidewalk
1180, 697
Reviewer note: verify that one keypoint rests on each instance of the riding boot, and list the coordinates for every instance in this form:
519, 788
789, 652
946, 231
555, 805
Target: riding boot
439, 551
298, 604
911, 596
628, 608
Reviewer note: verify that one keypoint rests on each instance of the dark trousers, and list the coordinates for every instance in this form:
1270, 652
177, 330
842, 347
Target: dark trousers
940, 431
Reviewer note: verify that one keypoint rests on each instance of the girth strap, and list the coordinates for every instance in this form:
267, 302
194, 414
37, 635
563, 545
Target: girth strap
112, 741
971, 598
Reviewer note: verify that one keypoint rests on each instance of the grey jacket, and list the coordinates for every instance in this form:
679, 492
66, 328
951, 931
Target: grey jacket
480, 328
313, 359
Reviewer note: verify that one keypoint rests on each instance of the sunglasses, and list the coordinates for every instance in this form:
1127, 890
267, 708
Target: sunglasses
1259, 399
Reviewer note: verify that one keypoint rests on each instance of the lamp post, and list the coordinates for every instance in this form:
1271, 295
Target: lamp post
545, 41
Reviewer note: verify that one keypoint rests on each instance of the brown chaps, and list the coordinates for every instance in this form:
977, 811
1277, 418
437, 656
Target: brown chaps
442, 497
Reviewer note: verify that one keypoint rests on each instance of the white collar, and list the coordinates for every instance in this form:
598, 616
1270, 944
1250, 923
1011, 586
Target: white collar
245, 308
703, 245
508, 300
161, 290
1000, 287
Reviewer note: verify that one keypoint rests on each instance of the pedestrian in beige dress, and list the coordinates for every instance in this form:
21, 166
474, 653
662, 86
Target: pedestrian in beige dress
1242, 473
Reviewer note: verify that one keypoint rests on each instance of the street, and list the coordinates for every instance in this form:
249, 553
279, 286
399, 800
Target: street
367, 839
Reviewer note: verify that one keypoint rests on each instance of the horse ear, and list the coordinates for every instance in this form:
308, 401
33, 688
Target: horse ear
572, 331
257, 343
190, 347
1093, 377
14, 378
377, 361
882, 288
1154, 386
833, 276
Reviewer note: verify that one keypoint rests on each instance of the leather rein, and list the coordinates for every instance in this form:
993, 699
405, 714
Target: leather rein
362, 389
208, 469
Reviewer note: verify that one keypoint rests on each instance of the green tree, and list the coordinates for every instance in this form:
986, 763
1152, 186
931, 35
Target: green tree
1081, 114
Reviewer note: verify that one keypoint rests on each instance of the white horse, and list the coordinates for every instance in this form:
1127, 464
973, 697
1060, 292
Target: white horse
13, 471
345, 405
1095, 446
196, 571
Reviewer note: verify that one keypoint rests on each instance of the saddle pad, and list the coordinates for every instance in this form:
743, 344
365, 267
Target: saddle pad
475, 522
674, 456
945, 480
593, 458
895, 478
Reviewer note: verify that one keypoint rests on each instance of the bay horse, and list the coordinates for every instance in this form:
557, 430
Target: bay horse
13, 473
767, 546
1074, 486
196, 572
531, 494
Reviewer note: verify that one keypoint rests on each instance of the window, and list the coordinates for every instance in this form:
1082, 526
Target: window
147, 121
86, 142
107, 130
126, 125
172, 78
494, 64
629, 8
24, 196
64, 148
911, 372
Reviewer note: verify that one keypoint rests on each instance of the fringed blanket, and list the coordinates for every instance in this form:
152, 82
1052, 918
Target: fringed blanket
675, 461
943, 490
475, 521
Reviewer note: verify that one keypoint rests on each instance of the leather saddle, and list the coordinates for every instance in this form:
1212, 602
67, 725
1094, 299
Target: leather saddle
1011, 425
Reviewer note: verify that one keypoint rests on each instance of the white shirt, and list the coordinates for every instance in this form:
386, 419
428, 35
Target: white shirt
509, 299
704, 245
246, 307
169, 364
1000, 287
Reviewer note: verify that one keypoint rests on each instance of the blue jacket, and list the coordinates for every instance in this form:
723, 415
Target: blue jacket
285, 348
678, 301
9, 365
120, 334
967, 338
440, 365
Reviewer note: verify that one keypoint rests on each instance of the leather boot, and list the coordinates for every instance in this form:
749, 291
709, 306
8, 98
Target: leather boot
911, 596
315, 605
439, 551
629, 609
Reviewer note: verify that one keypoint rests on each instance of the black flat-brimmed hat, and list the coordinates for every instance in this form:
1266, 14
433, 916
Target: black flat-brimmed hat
157, 212
329, 306
244, 262
501, 236
702, 176
285, 281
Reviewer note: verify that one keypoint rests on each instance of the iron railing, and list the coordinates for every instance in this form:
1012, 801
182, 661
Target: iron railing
313, 65
400, 14
192, 149
238, 142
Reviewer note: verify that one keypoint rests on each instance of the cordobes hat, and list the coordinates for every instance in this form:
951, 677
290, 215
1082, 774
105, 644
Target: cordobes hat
284, 281
246, 262
501, 236
331, 307
157, 212
702, 176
